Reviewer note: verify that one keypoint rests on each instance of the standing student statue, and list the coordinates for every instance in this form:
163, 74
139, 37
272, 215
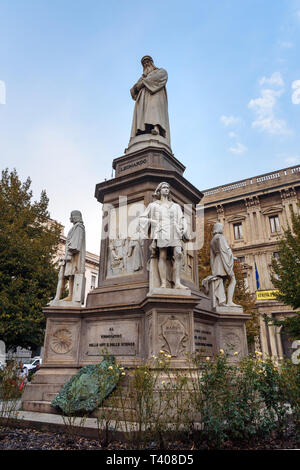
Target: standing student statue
151, 102
73, 263
168, 231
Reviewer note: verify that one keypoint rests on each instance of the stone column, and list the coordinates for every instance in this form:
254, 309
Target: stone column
263, 336
273, 340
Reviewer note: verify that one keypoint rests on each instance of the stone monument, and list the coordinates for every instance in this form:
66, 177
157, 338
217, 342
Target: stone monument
72, 265
168, 233
150, 124
221, 262
148, 297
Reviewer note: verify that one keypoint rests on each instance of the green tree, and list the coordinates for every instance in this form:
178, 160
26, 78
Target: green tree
286, 275
28, 243
242, 296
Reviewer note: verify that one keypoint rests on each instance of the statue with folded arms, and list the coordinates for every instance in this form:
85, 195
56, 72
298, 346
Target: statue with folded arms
151, 102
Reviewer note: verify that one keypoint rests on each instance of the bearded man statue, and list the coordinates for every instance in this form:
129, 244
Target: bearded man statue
151, 102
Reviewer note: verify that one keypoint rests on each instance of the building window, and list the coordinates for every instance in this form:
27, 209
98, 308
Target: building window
276, 255
238, 231
241, 259
274, 223
93, 281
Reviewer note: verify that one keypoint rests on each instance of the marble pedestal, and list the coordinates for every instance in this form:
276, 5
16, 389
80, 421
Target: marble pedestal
127, 314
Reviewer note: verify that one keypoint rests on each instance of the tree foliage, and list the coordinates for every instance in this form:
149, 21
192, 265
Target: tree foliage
28, 276
286, 275
242, 296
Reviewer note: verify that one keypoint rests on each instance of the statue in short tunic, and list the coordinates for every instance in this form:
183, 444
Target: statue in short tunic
151, 102
168, 231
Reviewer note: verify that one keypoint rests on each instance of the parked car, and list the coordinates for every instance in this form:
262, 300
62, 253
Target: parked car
33, 365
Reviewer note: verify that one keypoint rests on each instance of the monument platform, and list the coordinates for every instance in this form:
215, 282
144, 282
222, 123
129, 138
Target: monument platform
128, 315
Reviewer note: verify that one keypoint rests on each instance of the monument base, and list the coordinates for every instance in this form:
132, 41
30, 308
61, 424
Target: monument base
147, 140
228, 308
64, 303
178, 325
165, 291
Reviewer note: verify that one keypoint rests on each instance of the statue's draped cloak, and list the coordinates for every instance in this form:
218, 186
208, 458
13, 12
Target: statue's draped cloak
75, 247
167, 223
221, 257
151, 103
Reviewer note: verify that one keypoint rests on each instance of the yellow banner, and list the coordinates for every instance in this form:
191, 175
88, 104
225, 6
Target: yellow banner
266, 294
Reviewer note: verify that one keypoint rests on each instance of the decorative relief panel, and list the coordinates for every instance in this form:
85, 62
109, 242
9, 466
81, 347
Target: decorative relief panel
187, 267
124, 257
61, 341
173, 336
231, 343
125, 254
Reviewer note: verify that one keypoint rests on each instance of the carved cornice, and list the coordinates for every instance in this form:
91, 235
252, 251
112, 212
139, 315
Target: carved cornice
220, 210
252, 202
288, 193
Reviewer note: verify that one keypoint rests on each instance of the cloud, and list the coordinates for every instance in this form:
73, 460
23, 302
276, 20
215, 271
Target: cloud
293, 160
275, 80
232, 135
296, 93
238, 149
229, 120
264, 107
286, 44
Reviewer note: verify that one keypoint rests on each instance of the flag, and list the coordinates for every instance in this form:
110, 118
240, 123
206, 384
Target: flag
256, 277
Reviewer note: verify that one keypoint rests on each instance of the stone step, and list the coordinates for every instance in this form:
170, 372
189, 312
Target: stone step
39, 407
51, 378
118, 414
100, 413
118, 402
35, 391
49, 396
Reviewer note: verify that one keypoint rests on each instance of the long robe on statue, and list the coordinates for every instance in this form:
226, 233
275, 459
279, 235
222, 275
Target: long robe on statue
75, 250
221, 257
151, 104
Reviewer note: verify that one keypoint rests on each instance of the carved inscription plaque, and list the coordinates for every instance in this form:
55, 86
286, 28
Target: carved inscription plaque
204, 339
117, 338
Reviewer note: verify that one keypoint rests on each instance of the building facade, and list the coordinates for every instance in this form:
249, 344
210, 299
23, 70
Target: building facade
255, 212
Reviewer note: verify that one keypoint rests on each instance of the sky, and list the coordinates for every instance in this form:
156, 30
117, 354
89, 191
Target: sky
66, 68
